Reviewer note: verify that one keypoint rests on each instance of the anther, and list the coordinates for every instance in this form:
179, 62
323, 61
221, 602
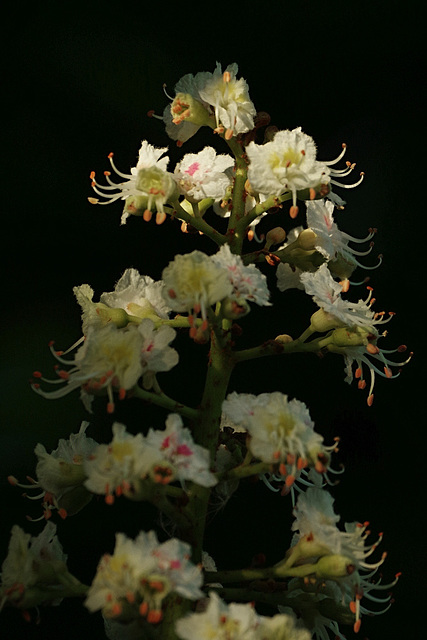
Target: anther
293, 212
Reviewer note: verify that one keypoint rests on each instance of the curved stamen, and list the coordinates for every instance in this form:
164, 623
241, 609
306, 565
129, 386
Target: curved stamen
128, 176
338, 158
349, 186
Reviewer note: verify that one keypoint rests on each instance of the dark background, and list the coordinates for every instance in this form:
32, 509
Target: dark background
79, 82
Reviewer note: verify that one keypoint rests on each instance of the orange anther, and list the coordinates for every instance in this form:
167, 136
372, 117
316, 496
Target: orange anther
356, 626
37, 374
92, 175
282, 469
110, 407
154, 616
110, 155
228, 134
370, 400
388, 372
293, 211
290, 479
62, 513
312, 193
352, 606
147, 215
160, 217
371, 348
361, 384
109, 498
116, 609
143, 609
226, 76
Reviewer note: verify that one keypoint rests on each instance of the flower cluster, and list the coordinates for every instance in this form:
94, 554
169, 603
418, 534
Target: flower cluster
135, 579
342, 573
164, 456
325, 577
280, 432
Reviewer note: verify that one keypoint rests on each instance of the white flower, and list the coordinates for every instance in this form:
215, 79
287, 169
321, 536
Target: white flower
177, 452
156, 354
138, 295
187, 104
326, 293
193, 282
116, 467
281, 432
32, 560
109, 359
288, 164
318, 536
202, 175
141, 573
248, 281
148, 180
60, 475
330, 241
220, 621
229, 98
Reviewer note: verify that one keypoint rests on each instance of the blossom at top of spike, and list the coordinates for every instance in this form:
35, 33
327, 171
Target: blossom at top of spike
148, 181
140, 574
203, 175
32, 560
193, 282
248, 281
281, 432
179, 458
288, 163
116, 467
230, 101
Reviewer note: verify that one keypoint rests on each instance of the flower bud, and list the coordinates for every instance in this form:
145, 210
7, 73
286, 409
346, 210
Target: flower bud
284, 338
119, 317
342, 266
307, 240
334, 566
322, 321
343, 337
275, 236
235, 308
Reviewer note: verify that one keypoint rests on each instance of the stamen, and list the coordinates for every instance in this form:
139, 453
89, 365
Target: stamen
338, 158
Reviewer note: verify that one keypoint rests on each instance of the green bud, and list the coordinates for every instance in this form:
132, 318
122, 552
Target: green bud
322, 321
343, 337
118, 316
307, 240
235, 308
334, 566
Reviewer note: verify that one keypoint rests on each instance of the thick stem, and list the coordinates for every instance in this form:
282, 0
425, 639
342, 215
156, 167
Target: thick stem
206, 432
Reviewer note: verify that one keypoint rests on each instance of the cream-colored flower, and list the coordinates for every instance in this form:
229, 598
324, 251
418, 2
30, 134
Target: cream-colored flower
203, 175
193, 283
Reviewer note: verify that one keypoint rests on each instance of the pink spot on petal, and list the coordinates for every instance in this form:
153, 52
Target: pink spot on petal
193, 168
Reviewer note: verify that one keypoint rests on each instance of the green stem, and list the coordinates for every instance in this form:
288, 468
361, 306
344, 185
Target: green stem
162, 400
198, 223
273, 347
206, 432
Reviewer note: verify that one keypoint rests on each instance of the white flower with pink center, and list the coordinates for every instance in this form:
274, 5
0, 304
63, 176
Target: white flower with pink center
248, 281
202, 175
178, 457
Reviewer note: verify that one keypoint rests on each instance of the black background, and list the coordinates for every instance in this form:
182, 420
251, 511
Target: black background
79, 82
